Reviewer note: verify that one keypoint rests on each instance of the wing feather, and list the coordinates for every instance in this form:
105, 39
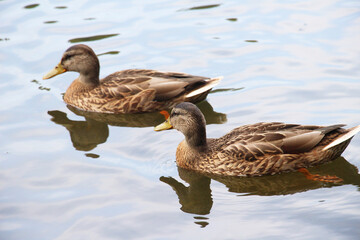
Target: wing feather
253, 142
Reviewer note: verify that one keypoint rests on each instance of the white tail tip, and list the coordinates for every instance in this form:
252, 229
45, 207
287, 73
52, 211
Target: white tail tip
343, 138
212, 83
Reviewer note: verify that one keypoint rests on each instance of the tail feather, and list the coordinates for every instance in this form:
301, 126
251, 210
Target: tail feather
325, 130
207, 87
343, 138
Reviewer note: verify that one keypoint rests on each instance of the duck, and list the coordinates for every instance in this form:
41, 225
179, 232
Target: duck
126, 91
264, 148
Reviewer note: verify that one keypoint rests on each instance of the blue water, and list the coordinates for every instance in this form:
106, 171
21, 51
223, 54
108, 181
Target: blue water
64, 176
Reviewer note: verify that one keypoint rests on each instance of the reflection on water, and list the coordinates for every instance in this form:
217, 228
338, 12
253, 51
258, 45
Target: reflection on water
40, 85
121, 120
86, 135
30, 6
211, 116
232, 19
201, 7
226, 90
197, 199
294, 182
92, 38
147, 119
50, 22
109, 53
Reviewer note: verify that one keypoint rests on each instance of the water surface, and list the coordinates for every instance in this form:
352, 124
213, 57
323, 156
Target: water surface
72, 175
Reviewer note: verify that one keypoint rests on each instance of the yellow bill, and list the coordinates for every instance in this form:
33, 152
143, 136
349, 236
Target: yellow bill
56, 71
164, 126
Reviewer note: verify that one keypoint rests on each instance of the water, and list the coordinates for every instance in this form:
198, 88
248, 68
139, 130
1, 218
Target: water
69, 176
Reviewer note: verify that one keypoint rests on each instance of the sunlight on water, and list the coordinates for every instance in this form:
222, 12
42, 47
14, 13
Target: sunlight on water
69, 174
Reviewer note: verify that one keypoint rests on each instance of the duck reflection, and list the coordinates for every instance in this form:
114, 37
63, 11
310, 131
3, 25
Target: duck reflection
86, 135
197, 198
147, 119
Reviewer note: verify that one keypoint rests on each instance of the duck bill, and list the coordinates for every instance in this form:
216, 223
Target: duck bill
164, 126
59, 69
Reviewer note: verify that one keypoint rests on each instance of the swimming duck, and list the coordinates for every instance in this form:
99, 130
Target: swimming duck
255, 149
127, 91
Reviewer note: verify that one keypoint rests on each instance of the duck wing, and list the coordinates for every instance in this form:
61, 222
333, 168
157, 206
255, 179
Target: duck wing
254, 142
166, 85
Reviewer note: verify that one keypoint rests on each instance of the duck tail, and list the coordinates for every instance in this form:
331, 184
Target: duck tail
207, 87
325, 130
343, 138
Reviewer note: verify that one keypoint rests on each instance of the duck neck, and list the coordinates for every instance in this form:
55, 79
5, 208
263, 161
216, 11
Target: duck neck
91, 79
90, 75
197, 139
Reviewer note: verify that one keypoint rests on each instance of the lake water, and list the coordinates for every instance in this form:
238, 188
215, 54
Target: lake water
68, 176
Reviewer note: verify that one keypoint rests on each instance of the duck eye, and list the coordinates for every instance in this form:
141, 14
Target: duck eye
67, 56
173, 114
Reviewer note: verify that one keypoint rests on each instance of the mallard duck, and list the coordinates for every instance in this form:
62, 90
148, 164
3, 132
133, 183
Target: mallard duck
255, 149
127, 91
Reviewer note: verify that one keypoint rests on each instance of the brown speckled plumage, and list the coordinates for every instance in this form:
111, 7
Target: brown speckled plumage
256, 149
128, 91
